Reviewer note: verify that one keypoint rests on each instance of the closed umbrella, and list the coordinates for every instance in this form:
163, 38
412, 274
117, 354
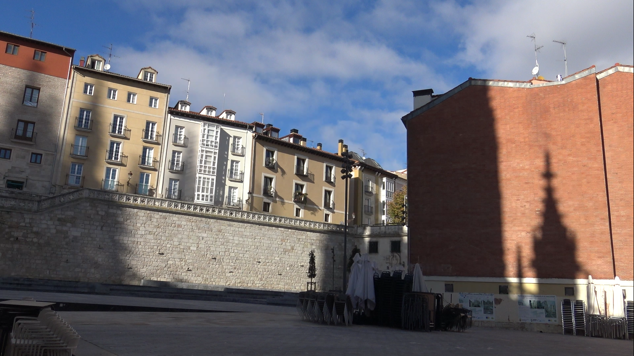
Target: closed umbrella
618, 309
418, 284
593, 303
364, 292
353, 280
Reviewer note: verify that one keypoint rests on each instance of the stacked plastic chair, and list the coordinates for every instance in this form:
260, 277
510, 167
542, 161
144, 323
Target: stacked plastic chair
46, 335
579, 317
567, 320
629, 312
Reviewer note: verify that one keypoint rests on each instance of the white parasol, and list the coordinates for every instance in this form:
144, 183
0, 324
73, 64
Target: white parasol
419, 280
618, 308
361, 284
593, 303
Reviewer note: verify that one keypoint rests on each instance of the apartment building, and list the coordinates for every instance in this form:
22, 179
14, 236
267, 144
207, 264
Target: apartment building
113, 129
293, 180
33, 79
206, 157
389, 186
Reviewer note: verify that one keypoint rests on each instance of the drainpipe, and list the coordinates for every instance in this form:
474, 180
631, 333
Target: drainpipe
69, 88
253, 136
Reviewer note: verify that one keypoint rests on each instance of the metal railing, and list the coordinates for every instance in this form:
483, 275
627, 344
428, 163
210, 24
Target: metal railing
26, 139
238, 150
83, 123
118, 131
328, 204
180, 141
111, 185
233, 203
175, 166
301, 170
151, 136
369, 188
79, 151
145, 189
236, 176
269, 162
172, 194
119, 159
269, 191
368, 209
330, 178
300, 198
75, 180
148, 162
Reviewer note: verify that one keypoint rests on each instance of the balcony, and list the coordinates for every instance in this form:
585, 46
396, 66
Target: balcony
329, 204
268, 191
119, 131
148, 162
300, 198
116, 158
233, 203
369, 188
77, 151
238, 150
269, 162
145, 189
176, 167
28, 138
151, 137
301, 170
172, 194
83, 124
180, 141
236, 176
112, 185
330, 179
368, 209
74, 180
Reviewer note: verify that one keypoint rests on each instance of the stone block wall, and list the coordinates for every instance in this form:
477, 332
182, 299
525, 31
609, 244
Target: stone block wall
83, 237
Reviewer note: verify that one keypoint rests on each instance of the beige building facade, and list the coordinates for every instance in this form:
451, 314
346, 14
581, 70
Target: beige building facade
112, 132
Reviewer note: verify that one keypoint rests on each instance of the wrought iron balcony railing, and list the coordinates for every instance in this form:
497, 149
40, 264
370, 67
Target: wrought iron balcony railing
176, 166
151, 136
79, 151
238, 150
83, 123
119, 131
148, 162
115, 157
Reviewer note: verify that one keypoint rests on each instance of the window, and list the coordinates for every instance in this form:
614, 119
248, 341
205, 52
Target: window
147, 157
298, 212
176, 164
209, 135
207, 160
148, 76
25, 131
300, 166
5, 153
89, 89
83, 121
95, 64
31, 96
144, 183
234, 172
179, 135
299, 193
236, 147
131, 98
232, 197
154, 102
118, 125
268, 188
79, 148
172, 189
389, 189
266, 207
373, 247
150, 131
15, 184
327, 217
204, 189
448, 287
269, 158
328, 201
36, 158
114, 153
329, 173
112, 94
110, 181
74, 177
39, 56
12, 49
503, 289
568, 291
395, 246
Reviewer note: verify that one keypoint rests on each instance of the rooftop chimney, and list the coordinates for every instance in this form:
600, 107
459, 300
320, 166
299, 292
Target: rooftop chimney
340, 147
82, 61
319, 146
303, 142
295, 131
422, 97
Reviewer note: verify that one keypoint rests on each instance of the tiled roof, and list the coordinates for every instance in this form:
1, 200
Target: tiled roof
204, 117
37, 41
168, 87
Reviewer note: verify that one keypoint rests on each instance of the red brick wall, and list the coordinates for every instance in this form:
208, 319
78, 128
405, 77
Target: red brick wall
509, 182
617, 113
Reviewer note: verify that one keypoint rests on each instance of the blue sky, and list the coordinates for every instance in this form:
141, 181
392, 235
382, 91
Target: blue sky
332, 69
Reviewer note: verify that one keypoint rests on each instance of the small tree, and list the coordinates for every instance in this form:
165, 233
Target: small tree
312, 269
396, 209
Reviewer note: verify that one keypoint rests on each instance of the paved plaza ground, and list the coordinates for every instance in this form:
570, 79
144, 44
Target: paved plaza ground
251, 329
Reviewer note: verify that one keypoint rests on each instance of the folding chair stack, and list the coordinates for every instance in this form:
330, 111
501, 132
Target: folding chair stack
328, 308
46, 335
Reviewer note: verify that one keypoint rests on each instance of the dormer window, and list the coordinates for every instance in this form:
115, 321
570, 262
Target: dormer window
183, 107
148, 76
96, 65
210, 112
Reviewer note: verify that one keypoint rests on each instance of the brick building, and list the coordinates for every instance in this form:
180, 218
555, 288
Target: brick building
33, 78
517, 183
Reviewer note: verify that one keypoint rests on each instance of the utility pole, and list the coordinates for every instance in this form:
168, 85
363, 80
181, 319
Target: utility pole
346, 170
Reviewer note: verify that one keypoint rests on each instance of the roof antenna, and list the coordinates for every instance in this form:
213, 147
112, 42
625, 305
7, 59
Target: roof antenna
188, 82
563, 44
33, 24
110, 55
535, 70
362, 152
262, 115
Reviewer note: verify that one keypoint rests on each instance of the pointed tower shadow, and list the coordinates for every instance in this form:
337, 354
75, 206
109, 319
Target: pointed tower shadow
554, 244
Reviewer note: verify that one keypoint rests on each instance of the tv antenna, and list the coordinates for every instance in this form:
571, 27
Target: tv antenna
535, 70
563, 44
188, 82
33, 24
262, 116
110, 55
362, 152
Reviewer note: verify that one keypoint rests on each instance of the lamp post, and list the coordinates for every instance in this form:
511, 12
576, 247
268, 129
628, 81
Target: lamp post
346, 170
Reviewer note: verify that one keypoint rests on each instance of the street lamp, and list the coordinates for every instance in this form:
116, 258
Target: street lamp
346, 171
